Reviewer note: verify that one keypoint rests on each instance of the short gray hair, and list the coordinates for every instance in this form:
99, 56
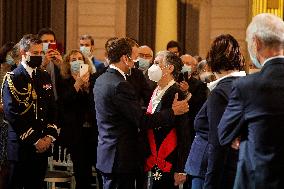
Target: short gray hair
268, 28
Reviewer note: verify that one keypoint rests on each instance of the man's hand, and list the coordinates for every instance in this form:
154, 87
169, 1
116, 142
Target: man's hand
236, 143
179, 178
183, 86
180, 107
41, 146
52, 55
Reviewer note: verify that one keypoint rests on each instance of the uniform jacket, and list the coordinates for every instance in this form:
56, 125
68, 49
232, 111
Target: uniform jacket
31, 119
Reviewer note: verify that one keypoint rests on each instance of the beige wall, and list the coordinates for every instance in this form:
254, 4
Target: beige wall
107, 18
100, 18
222, 17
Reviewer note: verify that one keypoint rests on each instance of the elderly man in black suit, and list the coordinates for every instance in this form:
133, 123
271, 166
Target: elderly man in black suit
120, 117
255, 110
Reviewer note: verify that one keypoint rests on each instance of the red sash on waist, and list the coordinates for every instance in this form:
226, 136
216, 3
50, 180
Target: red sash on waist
167, 147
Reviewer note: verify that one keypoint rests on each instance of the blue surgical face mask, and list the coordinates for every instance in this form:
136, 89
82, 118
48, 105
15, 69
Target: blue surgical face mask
253, 58
186, 68
143, 64
86, 50
75, 65
10, 60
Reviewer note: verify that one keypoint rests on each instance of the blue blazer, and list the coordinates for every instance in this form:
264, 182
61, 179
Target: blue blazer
119, 119
256, 112
218, 162
196, 164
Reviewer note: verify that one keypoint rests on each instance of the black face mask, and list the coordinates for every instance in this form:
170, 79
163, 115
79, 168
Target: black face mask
35, 61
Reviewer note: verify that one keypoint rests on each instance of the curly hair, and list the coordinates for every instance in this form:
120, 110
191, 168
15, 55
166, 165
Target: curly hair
108, 43
225, 54
65, 70
28, 40
170, 58
117, 49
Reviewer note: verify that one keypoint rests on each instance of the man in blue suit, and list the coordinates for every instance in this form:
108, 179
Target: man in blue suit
255, 110
120, 118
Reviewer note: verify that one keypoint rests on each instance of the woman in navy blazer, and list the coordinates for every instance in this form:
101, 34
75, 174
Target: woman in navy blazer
211, 165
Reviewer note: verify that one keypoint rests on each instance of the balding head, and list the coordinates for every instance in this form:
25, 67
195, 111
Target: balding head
190, 61
145, 52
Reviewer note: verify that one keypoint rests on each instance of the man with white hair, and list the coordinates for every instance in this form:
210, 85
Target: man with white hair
255, 110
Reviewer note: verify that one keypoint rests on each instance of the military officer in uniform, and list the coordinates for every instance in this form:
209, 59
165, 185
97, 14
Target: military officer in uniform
28, 102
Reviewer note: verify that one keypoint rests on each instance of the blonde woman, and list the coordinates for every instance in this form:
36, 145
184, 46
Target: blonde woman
78, 133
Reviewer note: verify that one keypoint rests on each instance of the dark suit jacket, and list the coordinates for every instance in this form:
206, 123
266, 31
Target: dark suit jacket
256, 111
100, 67
199, 93
119, 118
216, 175
196, 164
140, 85
25, 129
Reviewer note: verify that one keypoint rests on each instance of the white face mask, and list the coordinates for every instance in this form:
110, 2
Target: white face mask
155, 73
186, 68
253, 58
86, 51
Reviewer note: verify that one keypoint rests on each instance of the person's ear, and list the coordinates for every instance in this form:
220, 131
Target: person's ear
171, 68
123, 58
92, 48
22, 52
258, 44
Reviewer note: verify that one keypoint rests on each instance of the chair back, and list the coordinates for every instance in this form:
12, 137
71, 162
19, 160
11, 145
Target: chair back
60, 169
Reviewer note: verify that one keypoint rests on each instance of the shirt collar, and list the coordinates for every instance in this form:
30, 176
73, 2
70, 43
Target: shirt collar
119, 70
28, 68
271, 58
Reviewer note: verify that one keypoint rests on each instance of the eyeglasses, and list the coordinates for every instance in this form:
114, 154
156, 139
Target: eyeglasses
142, 55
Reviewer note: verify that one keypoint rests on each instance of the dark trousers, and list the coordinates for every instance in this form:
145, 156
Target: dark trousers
4, 175
84, 156
118, 181
29, 173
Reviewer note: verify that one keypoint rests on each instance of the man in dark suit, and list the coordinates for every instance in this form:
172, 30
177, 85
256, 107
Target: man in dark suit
255, 110
29, 110
52, 59
120, 117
